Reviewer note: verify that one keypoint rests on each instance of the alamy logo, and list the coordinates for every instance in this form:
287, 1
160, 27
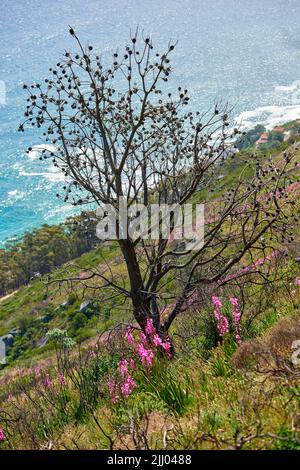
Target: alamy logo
152, 222
296, 352
2, 352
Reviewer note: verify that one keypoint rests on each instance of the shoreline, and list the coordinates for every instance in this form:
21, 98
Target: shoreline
243, 120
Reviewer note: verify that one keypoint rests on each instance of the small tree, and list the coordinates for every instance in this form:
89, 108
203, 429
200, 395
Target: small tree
147, 147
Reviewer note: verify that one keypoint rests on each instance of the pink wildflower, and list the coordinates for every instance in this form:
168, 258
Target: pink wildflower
123, 367
61, 378
146, 355
128, 386
150, 330
132, 364
297, 282
216, 301
157, 340
143, 338
251, 268
222, 322
128, 335
92, 354
48, 382
236, 318
167, 346
2, 435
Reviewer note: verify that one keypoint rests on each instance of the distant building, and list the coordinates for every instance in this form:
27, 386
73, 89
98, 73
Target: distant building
286, 135
279, 129
264, 137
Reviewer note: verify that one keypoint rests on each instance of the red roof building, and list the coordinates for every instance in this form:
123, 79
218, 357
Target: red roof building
263, 139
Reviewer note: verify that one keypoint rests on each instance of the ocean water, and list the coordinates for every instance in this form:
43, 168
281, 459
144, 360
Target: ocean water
245, 52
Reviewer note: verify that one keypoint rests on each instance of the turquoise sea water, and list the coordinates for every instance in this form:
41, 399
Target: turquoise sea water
246, 52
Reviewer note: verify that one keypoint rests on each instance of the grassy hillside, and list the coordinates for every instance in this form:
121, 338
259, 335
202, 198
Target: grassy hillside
34, 309
63, 390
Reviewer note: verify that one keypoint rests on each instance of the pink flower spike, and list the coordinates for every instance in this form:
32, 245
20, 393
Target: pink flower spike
61, 378
128, 335
297, 282
132, 364
166, 345
234, 301
143, 338
222, 321
157, 340
149, 357
146, 355
2, 435
48, 382
216, 301
128, 386
150, 330
123, 367
236, 318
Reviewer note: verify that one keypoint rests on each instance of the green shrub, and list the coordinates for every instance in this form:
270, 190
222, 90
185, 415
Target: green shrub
79, 321
288, 441
212, 420
173, 394
220, 366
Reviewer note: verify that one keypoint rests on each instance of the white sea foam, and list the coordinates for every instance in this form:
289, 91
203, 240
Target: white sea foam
37, 150
15, 195
285, 88
59, 210
270, 116
12, 197
52, 176
17, 166
285, 107
288, 89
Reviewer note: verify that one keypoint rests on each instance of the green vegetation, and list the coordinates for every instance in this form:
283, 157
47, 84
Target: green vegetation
275, 139
44, 249
151, 344
236, 399
214, 394
249, 138
34, 309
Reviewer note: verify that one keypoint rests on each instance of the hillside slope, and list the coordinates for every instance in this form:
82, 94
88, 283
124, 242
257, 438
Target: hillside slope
216, 393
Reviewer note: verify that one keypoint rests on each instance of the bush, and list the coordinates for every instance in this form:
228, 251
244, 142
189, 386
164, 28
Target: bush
78, 321
173, 394
288, 441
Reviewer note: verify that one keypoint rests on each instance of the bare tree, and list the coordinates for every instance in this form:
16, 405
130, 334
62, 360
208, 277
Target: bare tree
148, 147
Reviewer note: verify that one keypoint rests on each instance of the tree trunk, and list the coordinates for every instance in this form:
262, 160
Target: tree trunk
144, 304
140, 300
